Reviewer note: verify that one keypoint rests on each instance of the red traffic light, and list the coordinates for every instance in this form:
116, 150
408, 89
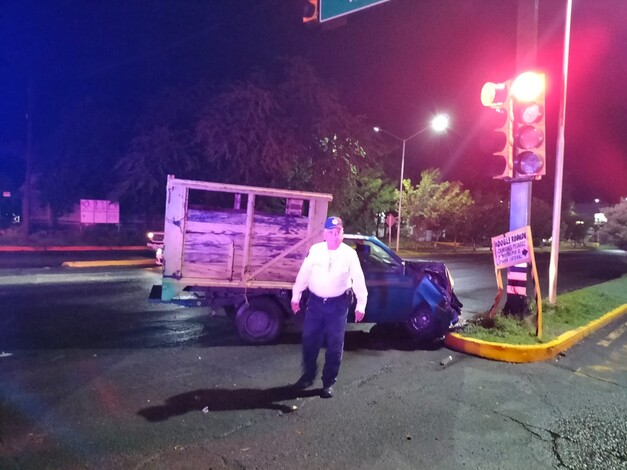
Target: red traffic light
528, 87
527, 95
310, 11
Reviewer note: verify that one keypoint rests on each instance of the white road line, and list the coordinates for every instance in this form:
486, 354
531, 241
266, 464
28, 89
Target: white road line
613, 335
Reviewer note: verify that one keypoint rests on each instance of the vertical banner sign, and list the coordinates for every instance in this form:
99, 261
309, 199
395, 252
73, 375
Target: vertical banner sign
514, 248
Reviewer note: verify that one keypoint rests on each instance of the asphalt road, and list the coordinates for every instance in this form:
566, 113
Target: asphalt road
100, 378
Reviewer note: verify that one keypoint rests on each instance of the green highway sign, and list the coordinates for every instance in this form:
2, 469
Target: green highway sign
331, 9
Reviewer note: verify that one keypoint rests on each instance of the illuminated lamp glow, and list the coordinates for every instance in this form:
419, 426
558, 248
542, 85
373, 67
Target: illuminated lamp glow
528, 86
440, 123
529, 137
529, 163
493, 95
599, 218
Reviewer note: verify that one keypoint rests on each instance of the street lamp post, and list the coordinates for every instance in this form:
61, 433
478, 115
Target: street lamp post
439, 124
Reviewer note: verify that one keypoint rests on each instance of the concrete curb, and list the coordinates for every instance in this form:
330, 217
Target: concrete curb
529, 353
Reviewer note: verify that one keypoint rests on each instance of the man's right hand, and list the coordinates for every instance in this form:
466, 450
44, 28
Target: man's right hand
295, 307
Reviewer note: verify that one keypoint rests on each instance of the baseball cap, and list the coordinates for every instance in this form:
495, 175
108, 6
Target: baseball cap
333, 222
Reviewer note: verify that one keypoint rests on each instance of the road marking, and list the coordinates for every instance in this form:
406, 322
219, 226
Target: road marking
613, 336
105, 263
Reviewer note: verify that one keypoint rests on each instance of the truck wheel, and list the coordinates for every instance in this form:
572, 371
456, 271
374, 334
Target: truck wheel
425, 325
259, 321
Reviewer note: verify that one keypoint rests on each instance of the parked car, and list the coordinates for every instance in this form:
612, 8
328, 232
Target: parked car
155, 242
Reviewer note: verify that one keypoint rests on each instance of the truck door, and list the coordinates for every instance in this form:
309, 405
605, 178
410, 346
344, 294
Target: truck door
389, 289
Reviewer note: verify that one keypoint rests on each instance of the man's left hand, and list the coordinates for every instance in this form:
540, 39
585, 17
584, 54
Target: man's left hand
359, 316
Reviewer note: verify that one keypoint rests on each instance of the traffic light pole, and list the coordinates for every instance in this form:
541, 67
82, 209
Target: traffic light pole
519, 217
520, 193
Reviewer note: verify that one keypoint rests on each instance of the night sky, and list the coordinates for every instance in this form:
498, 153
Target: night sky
397, 63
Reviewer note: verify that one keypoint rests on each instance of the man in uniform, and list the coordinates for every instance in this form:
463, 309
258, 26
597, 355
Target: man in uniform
331, 271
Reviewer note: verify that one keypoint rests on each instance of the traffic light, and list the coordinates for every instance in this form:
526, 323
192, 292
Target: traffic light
310, 11
528, 100
498, 141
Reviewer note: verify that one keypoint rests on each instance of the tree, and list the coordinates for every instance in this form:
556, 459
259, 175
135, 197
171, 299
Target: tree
615, 229
541, 220
486, 218
575, 226
435, 205
163, 143
287, 130
284, 130
371, 196
77, 160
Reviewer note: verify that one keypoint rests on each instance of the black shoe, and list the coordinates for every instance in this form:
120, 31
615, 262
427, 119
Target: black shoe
303, 383
327, 392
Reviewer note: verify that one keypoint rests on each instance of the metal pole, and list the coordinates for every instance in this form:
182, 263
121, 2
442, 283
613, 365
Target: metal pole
559, 164
520, 192
400, 198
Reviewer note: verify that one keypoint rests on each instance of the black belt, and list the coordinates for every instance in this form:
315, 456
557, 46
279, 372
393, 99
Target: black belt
326, 300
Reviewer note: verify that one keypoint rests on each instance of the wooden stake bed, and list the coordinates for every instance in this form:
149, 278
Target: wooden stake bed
209, 246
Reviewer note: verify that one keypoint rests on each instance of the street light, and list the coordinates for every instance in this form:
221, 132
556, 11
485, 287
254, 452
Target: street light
439, 124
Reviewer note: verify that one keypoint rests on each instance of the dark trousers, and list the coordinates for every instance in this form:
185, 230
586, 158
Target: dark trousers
324, 319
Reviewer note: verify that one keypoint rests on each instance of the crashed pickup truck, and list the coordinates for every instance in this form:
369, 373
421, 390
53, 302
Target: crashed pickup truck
239, 248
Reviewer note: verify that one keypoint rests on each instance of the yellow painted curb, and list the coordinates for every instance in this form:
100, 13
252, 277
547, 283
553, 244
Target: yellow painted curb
124, 262
529, 352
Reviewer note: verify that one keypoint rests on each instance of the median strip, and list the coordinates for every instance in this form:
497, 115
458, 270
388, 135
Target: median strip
99, 263
529, 352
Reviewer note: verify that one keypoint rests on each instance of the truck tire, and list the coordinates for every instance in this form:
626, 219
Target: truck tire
259, 321
425, 325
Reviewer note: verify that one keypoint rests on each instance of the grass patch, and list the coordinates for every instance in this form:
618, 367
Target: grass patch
571, 311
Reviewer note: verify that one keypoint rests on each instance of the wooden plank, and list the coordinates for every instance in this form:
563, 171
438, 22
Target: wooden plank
208, 255
226, 247
233, 188
174, 229
250, 211
204, 282
285, 263
274, 239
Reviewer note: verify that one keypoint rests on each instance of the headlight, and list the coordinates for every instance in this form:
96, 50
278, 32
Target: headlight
450, 278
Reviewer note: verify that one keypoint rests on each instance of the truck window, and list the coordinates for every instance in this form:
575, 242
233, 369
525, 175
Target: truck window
373, 258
